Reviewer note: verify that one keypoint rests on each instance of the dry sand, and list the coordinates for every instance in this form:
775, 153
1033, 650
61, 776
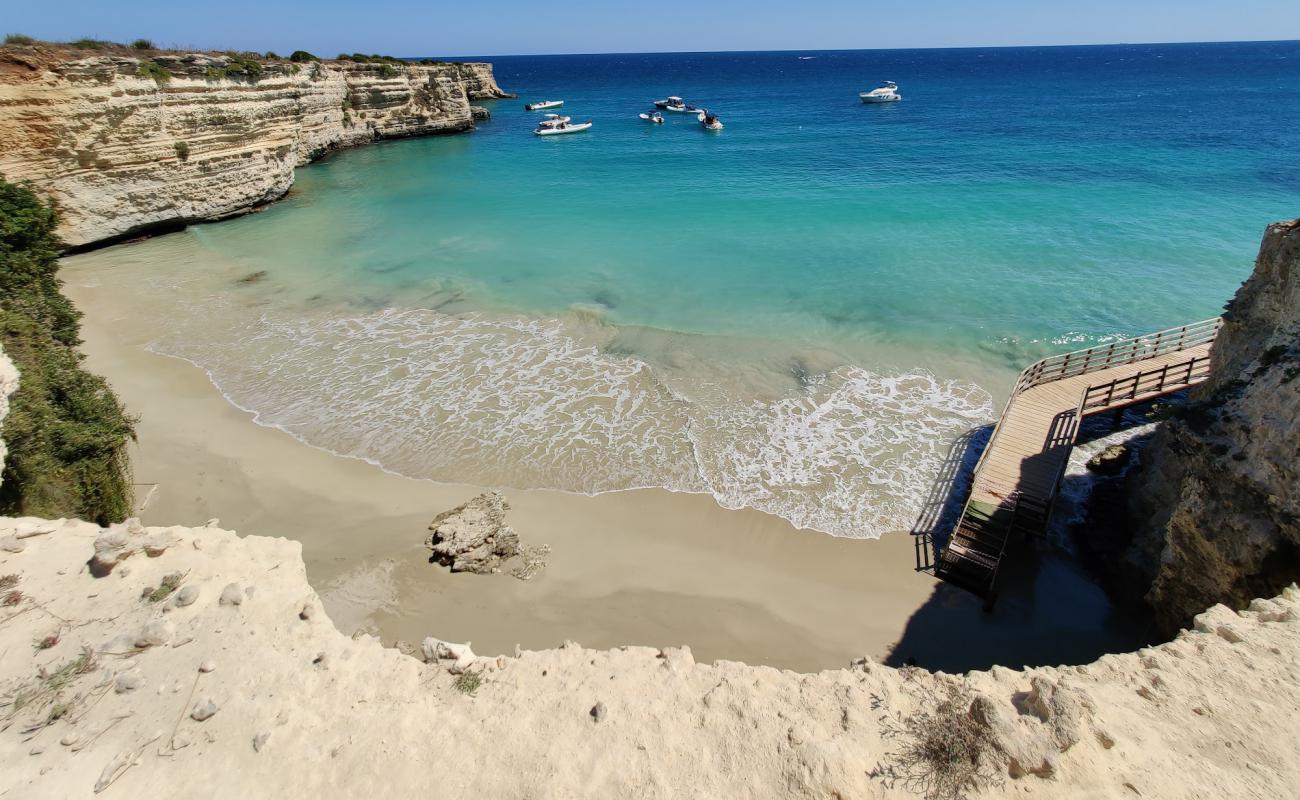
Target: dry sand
646, 567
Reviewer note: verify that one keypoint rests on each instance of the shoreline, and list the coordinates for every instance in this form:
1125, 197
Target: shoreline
636, 567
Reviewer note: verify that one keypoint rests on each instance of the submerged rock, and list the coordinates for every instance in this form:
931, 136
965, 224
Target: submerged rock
474, 537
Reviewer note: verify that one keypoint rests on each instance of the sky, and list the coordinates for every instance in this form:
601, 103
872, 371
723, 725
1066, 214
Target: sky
503, 27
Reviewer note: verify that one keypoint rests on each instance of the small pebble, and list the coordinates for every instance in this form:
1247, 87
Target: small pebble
155, 633
128, 681
68, 739
259, 741
203, 710
37, 750
598, 712
231, 595
308, 611
208, 665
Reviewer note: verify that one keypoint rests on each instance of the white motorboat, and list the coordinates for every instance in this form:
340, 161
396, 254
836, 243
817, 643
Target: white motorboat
709, 121
887, 92
542, 104
548, 127
556, 118
653, 116
671, 103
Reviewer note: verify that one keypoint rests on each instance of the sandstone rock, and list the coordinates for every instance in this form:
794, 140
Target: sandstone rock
12, 544
1217, 502
1110, 461
128, 681
208, 665
120, 154
474, 537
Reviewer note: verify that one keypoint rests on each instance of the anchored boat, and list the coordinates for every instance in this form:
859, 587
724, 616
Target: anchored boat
541, 104
653, 116
887, 92
555, 118
562, 125
710, 121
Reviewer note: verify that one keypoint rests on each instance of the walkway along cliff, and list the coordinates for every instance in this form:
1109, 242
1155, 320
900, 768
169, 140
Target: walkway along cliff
127, 145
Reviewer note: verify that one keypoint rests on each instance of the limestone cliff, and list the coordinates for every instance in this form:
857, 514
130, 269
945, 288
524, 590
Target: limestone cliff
1218, 498
126, 145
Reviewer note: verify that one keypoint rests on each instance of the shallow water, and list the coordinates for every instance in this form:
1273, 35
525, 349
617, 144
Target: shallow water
796, 314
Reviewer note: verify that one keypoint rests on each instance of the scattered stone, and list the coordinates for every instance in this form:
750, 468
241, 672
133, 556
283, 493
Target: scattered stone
437, 651
128, 681
598, 712
155, 633
203, 710
187, 594
474, 537
36, 751
259, 741
533, 561
69, 739
116, 544
308, 611
12, 544
207, 666
232, 595
1110, 461
212, 523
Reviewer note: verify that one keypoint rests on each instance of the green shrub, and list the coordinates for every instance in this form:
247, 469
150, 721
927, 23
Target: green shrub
142, 44
387, 70
152, 69
270, 55
182, 150
302, 56
343, 57
66, 431
240, 67
18, 38
361, 58
89, 44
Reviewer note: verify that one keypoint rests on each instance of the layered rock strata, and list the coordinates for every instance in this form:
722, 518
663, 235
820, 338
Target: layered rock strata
1217, 501
127, 145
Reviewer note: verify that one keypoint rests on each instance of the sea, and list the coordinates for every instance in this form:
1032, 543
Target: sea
798, 314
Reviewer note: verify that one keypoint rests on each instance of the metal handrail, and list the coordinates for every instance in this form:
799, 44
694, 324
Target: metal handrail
1184, 373
1124, 351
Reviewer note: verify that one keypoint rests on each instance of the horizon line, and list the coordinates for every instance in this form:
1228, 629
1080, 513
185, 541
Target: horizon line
868, 49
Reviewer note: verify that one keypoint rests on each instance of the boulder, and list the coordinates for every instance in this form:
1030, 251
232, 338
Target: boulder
1110, 461
474, 537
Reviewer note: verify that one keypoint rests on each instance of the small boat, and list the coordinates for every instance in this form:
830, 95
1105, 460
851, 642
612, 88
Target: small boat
671, 103
555, 127
653, 116
556, 118
541, 104
709, 121
887, 92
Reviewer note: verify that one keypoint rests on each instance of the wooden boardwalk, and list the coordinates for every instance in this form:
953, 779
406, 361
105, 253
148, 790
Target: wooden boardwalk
1016, 480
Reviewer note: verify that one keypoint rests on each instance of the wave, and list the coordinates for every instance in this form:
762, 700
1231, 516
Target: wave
532, 403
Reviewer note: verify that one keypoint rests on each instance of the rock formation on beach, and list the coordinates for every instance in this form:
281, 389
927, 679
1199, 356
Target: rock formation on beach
1218, 497
129, 144
474, 536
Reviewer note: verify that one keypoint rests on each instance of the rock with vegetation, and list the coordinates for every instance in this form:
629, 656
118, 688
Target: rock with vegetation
1110, 461
1217, 502
474, 537
66, 432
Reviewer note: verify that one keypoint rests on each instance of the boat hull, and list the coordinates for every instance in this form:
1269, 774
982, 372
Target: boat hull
870, 99
579, 128
543, 105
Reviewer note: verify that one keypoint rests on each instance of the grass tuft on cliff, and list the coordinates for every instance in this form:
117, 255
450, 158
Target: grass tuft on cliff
66, 431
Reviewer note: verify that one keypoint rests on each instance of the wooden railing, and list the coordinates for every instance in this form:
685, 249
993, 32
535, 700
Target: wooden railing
1125, 351
1135, 387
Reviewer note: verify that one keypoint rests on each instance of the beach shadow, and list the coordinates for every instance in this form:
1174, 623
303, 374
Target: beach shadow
943, 502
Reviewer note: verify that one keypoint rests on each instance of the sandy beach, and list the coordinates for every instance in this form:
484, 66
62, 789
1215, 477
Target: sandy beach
646, 567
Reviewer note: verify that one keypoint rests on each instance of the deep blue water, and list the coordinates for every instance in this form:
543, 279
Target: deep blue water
796, 313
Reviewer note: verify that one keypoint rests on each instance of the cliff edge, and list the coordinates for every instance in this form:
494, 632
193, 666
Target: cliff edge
126, 144
1217, 501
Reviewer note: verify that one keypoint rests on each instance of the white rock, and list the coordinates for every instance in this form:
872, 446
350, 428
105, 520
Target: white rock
259, 741
187, 594
208, 665
12, 544
232, 595
155, 633
128, 681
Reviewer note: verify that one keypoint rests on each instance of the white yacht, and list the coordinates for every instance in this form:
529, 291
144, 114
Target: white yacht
671, 103
542, 104
555, 127
887, 92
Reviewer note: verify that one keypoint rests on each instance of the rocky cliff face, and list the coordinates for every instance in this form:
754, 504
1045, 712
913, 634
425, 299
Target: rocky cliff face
123, 152
1218, 498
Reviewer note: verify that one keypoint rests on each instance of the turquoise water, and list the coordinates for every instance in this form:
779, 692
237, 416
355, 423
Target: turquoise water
796, 313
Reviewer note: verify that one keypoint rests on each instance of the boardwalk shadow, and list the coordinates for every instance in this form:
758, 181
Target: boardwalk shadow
943, 502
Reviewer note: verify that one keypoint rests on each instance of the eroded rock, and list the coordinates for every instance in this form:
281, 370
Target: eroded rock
474, 537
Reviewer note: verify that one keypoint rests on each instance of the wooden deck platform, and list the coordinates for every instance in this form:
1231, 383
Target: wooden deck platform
1016, 480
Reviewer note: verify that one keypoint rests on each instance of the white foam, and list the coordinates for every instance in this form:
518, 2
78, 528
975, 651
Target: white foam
525, 403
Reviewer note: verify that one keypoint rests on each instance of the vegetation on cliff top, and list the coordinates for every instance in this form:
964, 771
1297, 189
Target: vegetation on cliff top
66, 431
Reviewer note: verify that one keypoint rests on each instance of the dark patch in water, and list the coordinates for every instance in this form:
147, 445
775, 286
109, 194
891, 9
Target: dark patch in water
606, 298
801, 373
253, 277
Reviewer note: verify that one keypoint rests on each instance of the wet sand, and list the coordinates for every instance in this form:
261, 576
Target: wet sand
647, 567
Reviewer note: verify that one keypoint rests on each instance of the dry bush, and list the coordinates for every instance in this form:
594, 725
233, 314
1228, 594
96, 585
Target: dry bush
945, 751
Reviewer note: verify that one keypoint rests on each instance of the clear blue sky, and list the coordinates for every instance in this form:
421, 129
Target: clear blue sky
491, 27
